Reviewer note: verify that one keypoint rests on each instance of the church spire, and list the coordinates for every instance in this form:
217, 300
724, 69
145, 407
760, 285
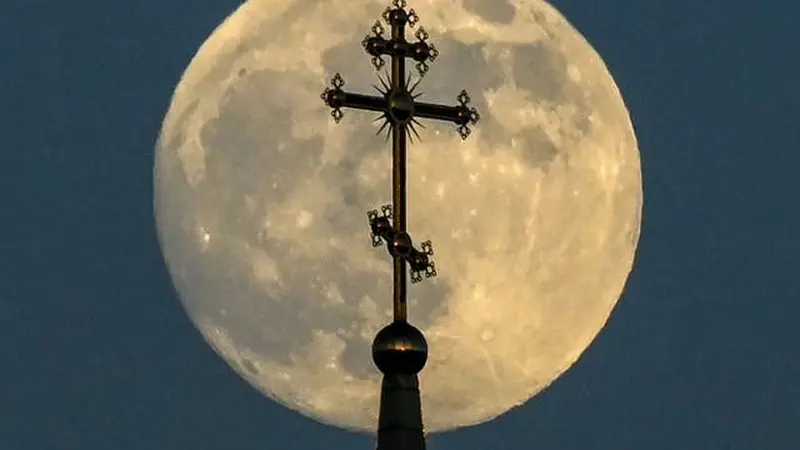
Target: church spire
400, 352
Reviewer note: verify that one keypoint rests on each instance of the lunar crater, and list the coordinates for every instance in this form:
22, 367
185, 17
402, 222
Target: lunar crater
500, 11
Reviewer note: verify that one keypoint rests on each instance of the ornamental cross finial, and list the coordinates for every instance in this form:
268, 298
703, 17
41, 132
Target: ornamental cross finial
399, 111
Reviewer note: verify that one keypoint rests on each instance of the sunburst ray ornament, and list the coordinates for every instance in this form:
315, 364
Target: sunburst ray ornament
385, 91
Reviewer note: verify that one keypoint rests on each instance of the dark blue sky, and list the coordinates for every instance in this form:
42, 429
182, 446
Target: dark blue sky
701, 353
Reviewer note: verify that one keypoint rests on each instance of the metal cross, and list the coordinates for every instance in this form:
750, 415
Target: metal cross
399, 109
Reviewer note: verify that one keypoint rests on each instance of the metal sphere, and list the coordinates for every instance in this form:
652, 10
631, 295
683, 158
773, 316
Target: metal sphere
420, 51
383, 227
400, 348
401, 106
401, 244
371, 46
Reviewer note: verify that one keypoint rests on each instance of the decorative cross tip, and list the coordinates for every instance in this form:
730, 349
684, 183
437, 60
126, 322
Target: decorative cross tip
380, 226
377, 46
420, 263
467, 114
422, 51
399, 244
429, 271
332, 97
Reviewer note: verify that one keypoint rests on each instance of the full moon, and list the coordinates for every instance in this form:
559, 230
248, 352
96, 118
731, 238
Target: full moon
261, 205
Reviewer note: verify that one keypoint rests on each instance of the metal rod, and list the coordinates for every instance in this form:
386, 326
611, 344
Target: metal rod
459, 115
364, 102
399, 181
399, 210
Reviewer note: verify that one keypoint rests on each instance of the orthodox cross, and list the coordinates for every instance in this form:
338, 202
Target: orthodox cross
399, 109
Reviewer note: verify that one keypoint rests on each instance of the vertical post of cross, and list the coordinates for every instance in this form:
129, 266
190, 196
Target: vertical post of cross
398, 21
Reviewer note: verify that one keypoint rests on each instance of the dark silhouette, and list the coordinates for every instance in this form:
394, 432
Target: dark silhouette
400, 350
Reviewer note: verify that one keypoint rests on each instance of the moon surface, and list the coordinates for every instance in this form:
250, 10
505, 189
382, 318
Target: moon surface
261, 202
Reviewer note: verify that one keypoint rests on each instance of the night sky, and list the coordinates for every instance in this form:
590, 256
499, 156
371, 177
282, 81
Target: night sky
96, 351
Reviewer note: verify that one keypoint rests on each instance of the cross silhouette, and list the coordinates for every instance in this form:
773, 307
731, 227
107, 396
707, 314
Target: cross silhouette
399, 109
